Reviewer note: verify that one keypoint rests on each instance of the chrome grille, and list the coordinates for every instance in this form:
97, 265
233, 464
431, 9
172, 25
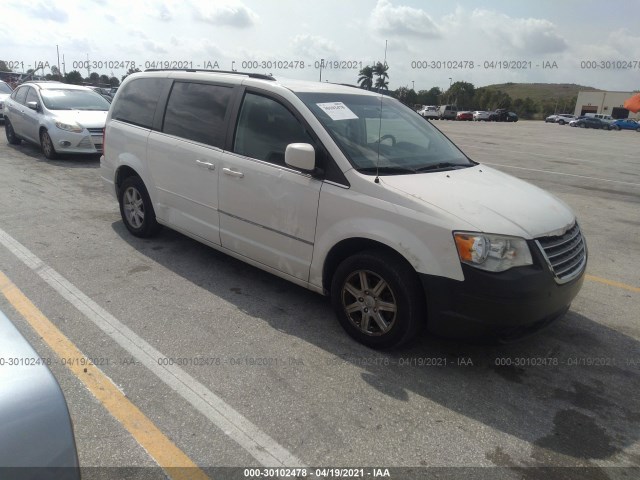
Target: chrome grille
566, 254
95, 131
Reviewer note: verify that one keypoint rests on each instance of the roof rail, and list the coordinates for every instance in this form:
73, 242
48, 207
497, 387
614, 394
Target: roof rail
248, 74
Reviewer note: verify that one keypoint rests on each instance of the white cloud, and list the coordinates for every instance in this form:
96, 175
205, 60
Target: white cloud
164, 13
231, 15
313, 46
46, 11
154, 47
403, 20
521, 35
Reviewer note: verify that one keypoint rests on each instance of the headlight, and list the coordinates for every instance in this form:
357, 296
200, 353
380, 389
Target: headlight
70, 127
494, 253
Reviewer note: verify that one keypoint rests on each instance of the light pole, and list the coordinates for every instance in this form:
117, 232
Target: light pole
321, 64
449, 91
413, 85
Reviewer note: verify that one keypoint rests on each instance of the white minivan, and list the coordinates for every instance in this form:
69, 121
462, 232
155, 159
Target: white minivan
347, 193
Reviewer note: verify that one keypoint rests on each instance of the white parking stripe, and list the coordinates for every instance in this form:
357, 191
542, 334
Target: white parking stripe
561, 173
260, 445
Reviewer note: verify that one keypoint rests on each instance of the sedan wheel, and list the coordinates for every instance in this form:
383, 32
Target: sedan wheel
47, 146
12, 138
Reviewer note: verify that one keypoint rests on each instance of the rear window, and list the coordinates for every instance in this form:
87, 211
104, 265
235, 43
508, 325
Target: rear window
137, 101
197, 111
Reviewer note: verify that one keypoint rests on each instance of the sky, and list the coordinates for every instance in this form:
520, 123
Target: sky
428, 43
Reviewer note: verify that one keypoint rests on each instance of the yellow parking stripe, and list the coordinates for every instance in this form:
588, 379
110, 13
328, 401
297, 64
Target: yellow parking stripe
174, 462
612, 283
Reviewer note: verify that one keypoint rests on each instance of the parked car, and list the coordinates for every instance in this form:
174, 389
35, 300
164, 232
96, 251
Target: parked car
560, 118
574, 122
600, 116
61, 118
303, 180
104, 92
591, 122
503, 115
625, 124
429, 112
5, 91
447, 112
481, 116
464, 116
37, 434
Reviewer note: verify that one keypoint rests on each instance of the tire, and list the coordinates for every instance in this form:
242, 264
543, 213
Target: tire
47, 146
561, 122
638, 129
354, 285
616, 128
582, 125
12, 138
136, 208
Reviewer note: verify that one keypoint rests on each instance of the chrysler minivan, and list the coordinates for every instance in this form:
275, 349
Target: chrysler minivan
347, 193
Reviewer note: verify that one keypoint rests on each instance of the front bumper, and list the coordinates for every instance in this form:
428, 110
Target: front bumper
503, 306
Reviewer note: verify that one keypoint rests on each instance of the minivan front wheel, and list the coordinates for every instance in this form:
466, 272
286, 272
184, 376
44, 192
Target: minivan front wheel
377, 299
136, 208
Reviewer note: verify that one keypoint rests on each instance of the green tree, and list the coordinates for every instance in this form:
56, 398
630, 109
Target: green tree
104, 80
94, 78
381, 70
4, 67
365, 79
114, 82
74, 77
130, 71
406, 95
461, 94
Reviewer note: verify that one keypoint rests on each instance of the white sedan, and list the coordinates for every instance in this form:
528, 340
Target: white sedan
481, 115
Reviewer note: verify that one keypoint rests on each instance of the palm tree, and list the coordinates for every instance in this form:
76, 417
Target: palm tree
366, 78
382, 84
380, 70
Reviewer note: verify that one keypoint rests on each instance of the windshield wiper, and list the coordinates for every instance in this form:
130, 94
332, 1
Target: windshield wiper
387, 170
441, 166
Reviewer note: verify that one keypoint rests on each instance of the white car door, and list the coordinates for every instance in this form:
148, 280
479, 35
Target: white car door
184, 158
268, 210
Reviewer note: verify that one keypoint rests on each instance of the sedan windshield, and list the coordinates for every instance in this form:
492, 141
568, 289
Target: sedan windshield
4, 88
64, 99
379, 134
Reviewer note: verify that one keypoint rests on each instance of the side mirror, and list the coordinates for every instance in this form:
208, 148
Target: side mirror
33, 106
301, 156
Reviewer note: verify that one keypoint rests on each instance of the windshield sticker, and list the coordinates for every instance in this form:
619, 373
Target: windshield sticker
337, 111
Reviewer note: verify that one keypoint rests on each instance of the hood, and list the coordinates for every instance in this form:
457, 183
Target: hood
86, 118
492, 201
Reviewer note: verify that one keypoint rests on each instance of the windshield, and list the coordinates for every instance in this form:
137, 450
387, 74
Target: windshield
394, 140
55, 99
4, 88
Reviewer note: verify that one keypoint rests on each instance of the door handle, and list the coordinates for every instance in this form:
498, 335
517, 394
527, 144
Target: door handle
233, 173
208, 165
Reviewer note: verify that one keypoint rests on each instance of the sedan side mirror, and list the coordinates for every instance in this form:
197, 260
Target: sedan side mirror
33, 106
301, 156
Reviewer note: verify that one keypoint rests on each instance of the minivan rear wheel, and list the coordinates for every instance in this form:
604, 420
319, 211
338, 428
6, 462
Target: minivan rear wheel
136, 208
377, 299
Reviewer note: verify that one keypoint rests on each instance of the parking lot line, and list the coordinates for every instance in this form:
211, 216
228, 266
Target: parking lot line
257, 443
613, 283
165, 453
561, 173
